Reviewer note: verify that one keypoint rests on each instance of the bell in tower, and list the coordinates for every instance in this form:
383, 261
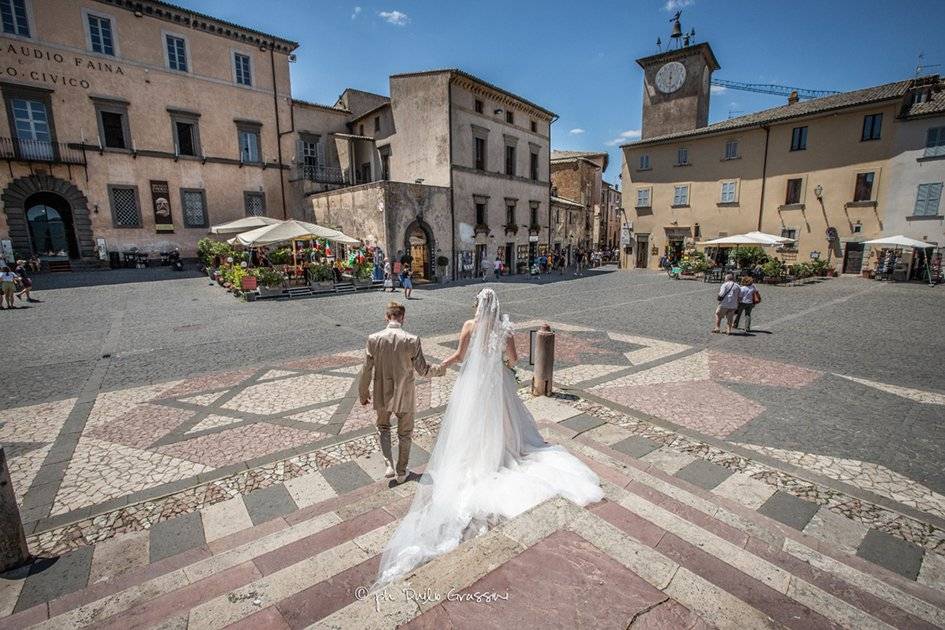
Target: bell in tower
677, 27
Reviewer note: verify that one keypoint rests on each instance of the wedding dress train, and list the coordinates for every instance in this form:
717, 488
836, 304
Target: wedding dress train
489, 463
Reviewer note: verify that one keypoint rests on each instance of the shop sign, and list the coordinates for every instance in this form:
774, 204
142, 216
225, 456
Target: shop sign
161, 198
815, 255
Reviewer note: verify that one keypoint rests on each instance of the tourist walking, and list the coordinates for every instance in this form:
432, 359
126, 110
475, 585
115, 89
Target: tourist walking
484, 268
748, 297
388, 277
497, 267
729, 295
26, 283
7, 285
407, 282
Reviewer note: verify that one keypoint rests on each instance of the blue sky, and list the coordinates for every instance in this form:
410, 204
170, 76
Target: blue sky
577, 58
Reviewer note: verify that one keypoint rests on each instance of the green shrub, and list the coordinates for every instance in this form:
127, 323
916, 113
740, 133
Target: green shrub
281, 256
207, 249
746, 257
773, 268
267, 277
442, 261
320, 273
818, 267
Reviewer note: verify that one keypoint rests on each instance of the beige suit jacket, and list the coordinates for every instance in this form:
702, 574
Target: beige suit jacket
393, 355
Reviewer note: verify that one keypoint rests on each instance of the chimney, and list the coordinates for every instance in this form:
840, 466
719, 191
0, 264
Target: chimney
793, 98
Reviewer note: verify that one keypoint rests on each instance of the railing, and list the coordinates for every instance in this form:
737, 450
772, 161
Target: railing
39, 151
323, 174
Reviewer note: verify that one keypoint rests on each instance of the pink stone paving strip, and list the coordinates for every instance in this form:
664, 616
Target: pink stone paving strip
235, 445
208, 381
322, 362
742, 369
141, 426
702, 405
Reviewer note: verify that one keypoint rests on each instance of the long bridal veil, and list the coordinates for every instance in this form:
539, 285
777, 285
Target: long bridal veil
489, 462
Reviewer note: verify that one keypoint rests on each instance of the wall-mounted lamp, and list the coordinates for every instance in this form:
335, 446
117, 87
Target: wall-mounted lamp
819, 191
497, 111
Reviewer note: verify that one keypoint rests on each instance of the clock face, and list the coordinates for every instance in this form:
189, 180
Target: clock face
670, 77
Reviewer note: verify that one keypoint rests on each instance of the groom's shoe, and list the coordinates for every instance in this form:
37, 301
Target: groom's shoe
403, 478
389, 471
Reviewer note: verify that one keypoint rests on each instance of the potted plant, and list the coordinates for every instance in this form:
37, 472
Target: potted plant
773, 270
321, 277
442, 262
269, 281
363, 275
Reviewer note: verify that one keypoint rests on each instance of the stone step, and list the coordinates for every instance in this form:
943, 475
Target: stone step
771, 540
269, 540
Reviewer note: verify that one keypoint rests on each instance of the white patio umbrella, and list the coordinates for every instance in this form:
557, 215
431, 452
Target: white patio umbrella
740, 239
291, 230
899, 241
777, 240
241, 225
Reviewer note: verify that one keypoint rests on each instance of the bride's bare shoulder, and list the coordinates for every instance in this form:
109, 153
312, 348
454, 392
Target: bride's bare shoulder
468, 325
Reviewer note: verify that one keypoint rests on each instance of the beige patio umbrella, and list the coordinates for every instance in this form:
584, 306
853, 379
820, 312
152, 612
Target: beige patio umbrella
291, 231
242, 225
777, 240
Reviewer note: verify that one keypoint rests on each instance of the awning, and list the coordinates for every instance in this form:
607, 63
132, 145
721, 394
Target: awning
776, 240
740, 239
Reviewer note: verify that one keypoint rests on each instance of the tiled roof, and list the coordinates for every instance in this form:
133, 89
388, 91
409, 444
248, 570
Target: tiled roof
472, 77
866, 96
557, 154
339, 110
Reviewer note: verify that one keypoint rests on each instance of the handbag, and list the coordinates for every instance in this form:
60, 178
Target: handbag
756, 297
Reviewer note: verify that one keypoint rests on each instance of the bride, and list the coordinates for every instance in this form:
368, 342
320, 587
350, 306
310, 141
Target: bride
489, 463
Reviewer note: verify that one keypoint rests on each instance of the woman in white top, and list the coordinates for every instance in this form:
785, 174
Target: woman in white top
729, 294
7, 285
748, 297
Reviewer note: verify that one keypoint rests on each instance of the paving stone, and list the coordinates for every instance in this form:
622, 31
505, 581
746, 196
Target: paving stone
668, 460
224, 518
892, 553
418, 456
932, 572
704, 474
176, 535
346, 477
788, 509
268, 503
635, 446
607, 434
54, 577
745, 490
836, 529
309, 489
11, 584
582, 422
117, 555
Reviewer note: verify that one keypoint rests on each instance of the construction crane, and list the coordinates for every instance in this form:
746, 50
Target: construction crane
770, 88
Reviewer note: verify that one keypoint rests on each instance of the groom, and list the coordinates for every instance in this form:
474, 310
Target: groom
393, 355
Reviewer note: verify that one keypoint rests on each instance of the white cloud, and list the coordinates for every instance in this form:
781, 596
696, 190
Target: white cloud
629, 134
395, 17
576, 131
355, 13
675, 5
718, 89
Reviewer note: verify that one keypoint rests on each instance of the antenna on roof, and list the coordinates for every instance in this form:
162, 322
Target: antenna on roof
921, 67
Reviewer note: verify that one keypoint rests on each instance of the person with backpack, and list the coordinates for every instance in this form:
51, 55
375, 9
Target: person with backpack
729, 296
747, 299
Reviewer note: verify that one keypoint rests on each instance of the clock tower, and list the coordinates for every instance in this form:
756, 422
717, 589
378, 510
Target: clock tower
676, 87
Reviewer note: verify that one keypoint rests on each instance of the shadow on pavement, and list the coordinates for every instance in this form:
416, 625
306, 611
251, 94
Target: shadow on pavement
52, 281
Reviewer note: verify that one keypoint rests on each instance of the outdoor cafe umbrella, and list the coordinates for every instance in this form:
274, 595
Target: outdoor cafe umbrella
241, 225
776, 240
739, 239
291, 231
899, 241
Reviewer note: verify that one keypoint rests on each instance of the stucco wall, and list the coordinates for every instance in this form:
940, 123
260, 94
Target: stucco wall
57, 59
420, 148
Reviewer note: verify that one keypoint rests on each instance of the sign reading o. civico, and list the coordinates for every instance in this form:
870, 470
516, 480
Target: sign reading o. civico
17, 61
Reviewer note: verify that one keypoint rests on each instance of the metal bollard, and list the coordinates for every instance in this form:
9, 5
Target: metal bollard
543, 379
13, 549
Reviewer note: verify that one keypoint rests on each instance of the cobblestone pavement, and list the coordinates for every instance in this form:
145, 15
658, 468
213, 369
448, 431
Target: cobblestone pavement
126, 405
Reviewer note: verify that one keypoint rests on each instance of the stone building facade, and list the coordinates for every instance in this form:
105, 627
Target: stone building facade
578, 176
114, 134
829, 172
611, 218
446, 130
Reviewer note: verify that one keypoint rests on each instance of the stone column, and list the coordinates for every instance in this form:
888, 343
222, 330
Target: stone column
13, 549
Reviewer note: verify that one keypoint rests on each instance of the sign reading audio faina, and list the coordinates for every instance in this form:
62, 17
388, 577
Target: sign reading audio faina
16, 61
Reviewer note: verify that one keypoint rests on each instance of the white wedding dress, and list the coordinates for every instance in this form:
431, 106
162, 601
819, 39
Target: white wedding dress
489, 463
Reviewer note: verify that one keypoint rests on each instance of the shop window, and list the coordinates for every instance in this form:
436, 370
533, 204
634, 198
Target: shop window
126, 213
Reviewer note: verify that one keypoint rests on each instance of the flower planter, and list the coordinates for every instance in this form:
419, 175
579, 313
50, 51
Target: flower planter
323, 286
267, 292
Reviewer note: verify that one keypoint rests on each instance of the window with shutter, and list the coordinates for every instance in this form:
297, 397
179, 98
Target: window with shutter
928, 197
935, 142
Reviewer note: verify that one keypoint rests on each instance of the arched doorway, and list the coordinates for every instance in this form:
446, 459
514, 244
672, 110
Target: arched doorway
52, 233
419, 242
67, 221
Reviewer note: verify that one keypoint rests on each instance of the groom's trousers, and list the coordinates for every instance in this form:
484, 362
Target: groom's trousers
404, 437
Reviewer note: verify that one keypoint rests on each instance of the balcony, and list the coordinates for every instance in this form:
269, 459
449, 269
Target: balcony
40, 151
323, 175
